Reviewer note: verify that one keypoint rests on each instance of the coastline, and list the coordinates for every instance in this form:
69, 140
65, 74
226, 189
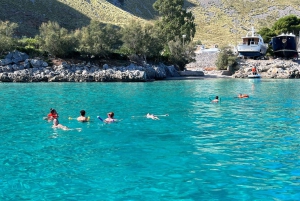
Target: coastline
207, 76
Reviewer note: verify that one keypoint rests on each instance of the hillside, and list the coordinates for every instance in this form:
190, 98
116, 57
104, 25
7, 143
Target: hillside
218, 21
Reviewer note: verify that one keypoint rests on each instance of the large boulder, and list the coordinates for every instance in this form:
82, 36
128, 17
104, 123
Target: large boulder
16, 56
4, 62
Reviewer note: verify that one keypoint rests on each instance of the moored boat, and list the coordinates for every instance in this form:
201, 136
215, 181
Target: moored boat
285, 45
254, 76
252, 45
254, 73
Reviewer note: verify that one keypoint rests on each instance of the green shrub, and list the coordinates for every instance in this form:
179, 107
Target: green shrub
28, 45
55, 40
225, 58
7, 41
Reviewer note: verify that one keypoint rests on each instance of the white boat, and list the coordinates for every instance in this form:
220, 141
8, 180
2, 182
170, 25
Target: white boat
254, 76
252, 45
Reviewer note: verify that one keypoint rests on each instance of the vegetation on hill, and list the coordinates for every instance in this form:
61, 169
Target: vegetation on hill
137, 41
219, 22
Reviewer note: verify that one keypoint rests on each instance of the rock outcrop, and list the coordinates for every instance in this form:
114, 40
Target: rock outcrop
17, 67
277, 68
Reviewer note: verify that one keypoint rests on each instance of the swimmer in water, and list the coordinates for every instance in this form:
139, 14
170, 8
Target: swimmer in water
110, 118
152, 116
243, 96
82, 117
216, 100
52, 115
56, 124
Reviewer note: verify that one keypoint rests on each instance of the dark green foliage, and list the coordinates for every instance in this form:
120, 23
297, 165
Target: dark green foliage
177, 29
139, 40
7, 41
98, 39
28, 45
225, 58
198, 42
56, 40
287, 24
175, 20
179, 54
267, 34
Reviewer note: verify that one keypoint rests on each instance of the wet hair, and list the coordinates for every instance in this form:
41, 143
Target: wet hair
217, 97
52, 111
111, 114
82, 112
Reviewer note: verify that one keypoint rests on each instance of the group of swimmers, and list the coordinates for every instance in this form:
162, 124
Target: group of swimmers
53, 116
216, 100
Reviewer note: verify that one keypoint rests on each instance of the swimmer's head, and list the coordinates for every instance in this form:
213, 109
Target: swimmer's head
53, 111
111, 114
82, 112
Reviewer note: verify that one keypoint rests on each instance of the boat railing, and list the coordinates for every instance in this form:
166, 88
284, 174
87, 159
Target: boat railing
250, 43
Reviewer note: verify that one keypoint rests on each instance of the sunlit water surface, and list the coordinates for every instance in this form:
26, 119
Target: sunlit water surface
239, 149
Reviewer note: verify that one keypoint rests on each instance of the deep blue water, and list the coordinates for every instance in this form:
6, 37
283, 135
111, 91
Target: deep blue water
238, 149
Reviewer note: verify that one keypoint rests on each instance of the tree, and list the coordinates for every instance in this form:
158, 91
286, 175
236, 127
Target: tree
29, 46
266, 34
287, 24
98, 39
179, 54
175, 20
6, 36
139, 40
56, 40
225, 58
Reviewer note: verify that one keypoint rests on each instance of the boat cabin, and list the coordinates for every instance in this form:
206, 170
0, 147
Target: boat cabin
251, 41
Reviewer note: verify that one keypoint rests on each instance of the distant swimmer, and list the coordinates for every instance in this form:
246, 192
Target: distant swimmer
56, 124
52, 115
216, 100
82, 117
152, 116
243, 96
110, 118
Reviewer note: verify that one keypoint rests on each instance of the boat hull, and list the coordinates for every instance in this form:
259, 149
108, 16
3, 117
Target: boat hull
285, 46
254, 76
252, 50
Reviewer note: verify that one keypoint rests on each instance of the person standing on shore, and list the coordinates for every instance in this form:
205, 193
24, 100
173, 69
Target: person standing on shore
254, 70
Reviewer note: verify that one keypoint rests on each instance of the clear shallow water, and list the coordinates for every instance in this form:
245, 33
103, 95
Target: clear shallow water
239, 149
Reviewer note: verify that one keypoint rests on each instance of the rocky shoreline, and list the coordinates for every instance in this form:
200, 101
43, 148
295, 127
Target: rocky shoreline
17, 67
270, 69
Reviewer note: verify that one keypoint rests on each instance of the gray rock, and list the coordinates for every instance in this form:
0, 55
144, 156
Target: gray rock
17, 56
36, 63
4, 62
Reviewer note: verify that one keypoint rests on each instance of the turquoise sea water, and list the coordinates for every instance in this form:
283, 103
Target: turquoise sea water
238, 149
